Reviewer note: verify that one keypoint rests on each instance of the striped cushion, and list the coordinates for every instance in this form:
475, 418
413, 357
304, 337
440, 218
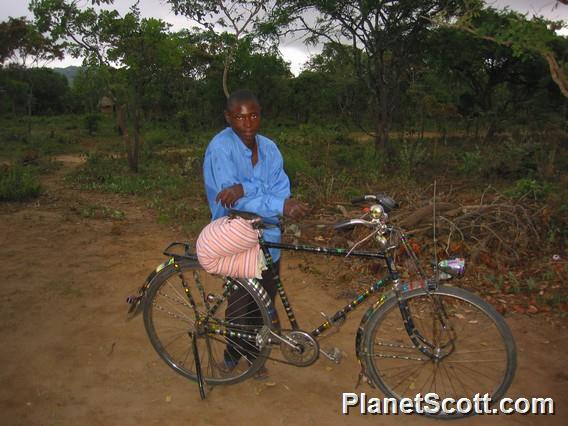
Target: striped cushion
230, 247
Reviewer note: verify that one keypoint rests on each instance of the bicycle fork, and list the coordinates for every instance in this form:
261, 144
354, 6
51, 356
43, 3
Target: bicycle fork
434, 349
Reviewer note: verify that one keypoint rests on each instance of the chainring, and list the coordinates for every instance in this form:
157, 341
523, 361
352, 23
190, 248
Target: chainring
306, 350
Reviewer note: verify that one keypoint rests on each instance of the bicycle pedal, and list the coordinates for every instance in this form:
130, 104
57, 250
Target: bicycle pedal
334, 354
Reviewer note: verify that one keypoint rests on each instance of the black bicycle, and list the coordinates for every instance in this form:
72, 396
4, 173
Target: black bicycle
418, 337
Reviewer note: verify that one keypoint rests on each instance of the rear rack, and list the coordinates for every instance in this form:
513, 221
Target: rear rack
173, 250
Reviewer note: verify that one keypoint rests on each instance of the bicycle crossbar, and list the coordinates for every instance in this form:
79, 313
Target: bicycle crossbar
326, 250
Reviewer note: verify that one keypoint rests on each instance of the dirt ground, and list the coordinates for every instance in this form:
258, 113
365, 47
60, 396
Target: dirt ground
69, 356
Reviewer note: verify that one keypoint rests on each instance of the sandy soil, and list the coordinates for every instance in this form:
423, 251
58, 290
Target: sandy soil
69, 356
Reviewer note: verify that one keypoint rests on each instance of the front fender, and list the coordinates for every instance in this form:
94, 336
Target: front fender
361, 331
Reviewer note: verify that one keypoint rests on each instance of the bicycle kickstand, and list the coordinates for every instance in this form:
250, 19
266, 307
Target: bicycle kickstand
200, 380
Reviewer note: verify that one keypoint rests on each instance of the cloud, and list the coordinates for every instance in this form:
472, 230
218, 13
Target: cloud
293, 49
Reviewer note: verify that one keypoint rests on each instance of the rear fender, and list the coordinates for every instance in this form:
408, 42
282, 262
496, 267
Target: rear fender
135, 301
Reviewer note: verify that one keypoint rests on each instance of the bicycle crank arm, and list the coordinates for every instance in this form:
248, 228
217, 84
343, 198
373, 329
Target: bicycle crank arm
267, 336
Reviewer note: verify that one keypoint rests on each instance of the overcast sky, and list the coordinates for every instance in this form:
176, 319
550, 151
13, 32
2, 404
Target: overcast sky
292, 50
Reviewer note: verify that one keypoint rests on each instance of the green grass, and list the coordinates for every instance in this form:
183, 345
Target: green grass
325, 164
18, 183
163, 180
54, 135
97, 211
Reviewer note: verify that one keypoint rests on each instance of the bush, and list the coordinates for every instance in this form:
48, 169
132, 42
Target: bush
512, 159
530, 188
92, 123
411, 154
184, 119
17, 183
471, 163
295, 164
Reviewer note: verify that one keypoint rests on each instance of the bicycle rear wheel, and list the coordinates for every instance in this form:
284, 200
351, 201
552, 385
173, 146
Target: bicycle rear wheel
225, 338
475, 347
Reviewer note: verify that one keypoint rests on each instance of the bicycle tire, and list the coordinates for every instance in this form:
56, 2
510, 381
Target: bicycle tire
168, 323
462, 310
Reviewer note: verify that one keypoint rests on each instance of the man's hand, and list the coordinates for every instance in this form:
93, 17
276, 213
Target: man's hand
230, 195
295, 209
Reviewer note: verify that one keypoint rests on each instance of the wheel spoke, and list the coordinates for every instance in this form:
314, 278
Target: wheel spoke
469, 352
169, 318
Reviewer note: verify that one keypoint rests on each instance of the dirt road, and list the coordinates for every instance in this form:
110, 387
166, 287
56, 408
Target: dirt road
69, 356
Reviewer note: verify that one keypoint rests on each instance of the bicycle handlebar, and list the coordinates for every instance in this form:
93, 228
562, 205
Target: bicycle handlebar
387, 202
354, 222
358, 200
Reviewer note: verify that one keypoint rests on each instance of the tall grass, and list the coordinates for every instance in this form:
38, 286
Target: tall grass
18, 183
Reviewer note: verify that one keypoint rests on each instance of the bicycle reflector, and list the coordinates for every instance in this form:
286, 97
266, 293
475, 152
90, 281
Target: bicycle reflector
454, 266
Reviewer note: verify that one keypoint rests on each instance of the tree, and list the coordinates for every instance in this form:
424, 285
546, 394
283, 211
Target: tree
386, 39
238, 17
341, 97
90, 85
24, 44
490, 76
141, 47
523, 36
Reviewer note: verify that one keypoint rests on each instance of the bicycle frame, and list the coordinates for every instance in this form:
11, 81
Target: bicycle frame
340, 315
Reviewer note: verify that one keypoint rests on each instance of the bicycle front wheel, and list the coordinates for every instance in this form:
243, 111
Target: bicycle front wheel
227, 317
461, 347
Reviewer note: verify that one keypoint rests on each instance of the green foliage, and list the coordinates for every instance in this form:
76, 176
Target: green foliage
411, 154
22, 41
18, 183
528, 187
40, 89
92, 122
557, 222
295, 163
97, 211
497, 281
90, 85
184, 120
160, 180
470, 163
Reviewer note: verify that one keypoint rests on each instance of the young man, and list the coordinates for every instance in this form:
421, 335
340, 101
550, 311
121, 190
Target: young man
244, 171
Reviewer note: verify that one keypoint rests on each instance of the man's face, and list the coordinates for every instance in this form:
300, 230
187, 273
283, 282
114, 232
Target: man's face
244, 119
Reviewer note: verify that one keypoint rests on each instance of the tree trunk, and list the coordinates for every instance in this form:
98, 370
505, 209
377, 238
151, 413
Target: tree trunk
137, 140
123, 130
29, 108
225, 76
477, 127
422, 122
492, 130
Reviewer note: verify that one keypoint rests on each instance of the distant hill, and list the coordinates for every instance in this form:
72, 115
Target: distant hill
69, 72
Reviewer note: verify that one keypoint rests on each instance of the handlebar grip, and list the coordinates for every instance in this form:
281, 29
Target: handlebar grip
357, 200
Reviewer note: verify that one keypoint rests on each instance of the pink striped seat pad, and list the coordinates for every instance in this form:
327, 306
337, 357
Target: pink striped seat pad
230, 247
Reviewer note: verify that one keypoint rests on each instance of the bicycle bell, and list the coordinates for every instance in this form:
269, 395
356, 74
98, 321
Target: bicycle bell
376, 211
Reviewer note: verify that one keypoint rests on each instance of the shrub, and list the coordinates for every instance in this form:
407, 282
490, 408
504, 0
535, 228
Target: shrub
470, 162
411, 153
92, 123
17, 183
529, 187
184, 119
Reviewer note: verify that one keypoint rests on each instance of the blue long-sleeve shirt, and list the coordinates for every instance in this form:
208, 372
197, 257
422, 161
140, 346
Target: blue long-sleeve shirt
266, 186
